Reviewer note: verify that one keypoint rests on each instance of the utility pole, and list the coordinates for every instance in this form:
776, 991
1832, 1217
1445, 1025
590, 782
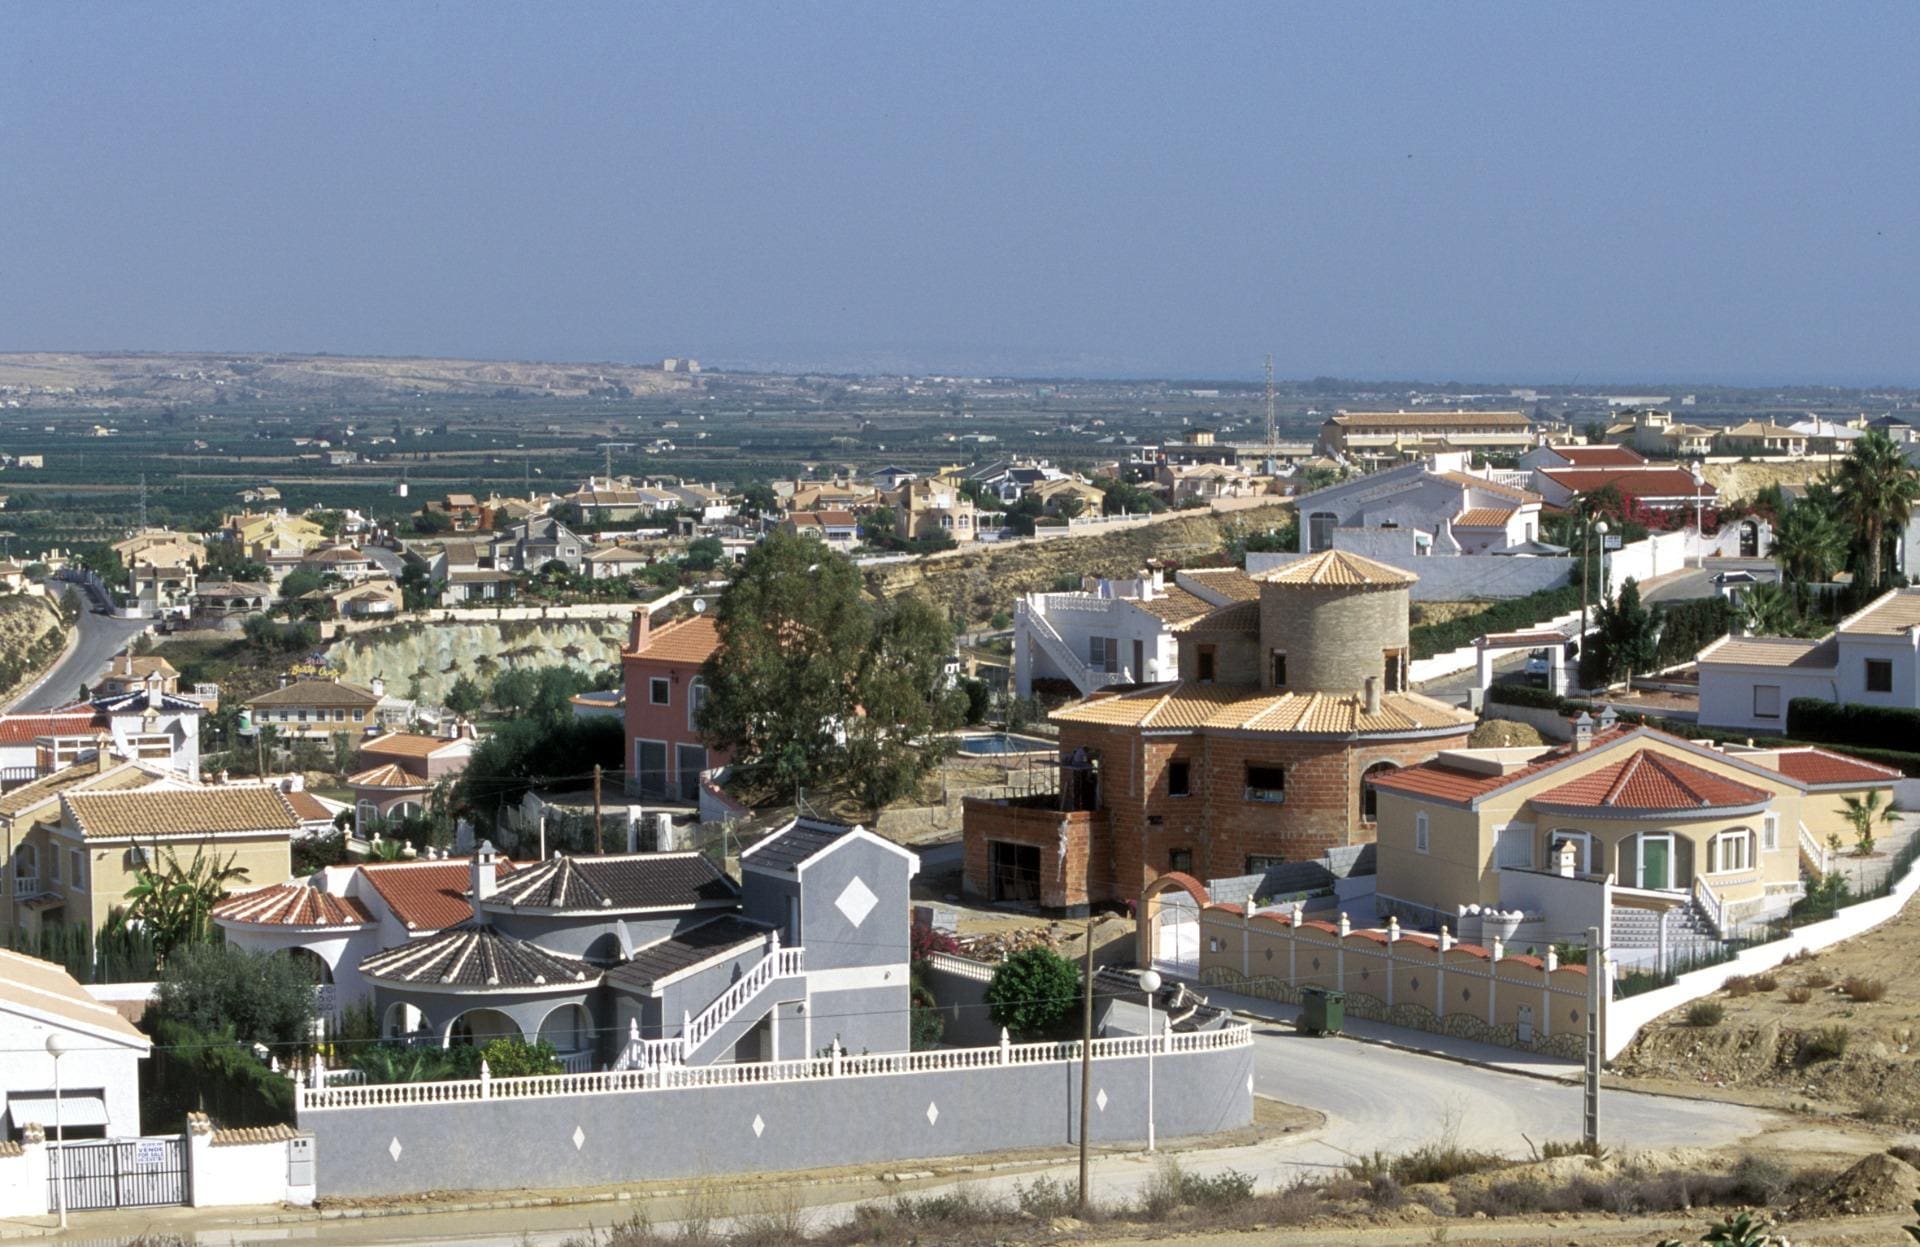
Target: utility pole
143, 502
1596, 989
1086, 1063
598, 847
1270, 431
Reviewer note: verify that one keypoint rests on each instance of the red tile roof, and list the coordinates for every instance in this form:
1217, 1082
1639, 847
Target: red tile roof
690, 641
307, 807
426, 896
1817, 766
1647, 482
1448, 783
1600, 456
24, 729
1645, 780
292, 905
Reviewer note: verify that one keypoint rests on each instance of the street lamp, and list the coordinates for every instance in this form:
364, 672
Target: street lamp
1699, 525
57, 1048
1150, 983
1586, 562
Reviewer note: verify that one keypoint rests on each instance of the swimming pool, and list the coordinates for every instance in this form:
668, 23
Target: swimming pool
989, 743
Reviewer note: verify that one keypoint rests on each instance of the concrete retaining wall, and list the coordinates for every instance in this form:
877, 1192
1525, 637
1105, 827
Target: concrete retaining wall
757, 1128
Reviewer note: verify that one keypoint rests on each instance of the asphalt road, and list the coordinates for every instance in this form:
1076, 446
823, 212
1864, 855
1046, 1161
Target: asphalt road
1374, 1098
101, 637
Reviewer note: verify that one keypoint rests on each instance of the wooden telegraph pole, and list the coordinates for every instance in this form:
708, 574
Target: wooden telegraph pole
1086, 1063
598, 847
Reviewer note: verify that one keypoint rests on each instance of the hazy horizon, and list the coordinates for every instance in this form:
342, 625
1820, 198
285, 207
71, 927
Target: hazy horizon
1709, 195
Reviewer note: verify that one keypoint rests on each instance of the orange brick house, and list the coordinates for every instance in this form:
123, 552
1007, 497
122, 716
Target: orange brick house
1256, 755
660, 675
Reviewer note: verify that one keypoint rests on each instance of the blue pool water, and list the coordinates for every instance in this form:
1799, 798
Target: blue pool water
1004, 742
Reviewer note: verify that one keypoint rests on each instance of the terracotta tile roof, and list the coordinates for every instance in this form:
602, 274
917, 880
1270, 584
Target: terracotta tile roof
178, 812
1178, 707
426, 896
690, 641
1600, 456
471, 956
1646, 780
1230, 581
1419, 419
24, 729
386, 775
235, 1136
1176, 606
1772, 651
624, 882
317, 693
1337, 569
1234, 617
619, 554
1484, 517
292, 905
406, 745
1817, 766
1894, 612
1441, 781
307, 808
1640, 482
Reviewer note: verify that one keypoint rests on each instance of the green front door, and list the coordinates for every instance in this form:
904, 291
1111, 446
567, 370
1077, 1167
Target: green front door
1656, 862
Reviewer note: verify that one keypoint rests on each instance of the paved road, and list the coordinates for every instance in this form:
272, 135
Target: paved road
101, 637
1373, 1098
1697, 582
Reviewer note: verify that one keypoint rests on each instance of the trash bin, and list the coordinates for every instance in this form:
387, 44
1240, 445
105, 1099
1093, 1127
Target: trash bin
1322, 1011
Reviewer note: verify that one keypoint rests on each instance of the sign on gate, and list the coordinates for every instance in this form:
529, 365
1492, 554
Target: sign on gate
119, 1173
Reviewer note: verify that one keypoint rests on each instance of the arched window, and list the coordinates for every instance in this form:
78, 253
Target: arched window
1369, 799
1582, 850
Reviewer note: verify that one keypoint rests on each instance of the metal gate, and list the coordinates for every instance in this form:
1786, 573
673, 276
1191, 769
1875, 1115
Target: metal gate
1176, 946
118, 1173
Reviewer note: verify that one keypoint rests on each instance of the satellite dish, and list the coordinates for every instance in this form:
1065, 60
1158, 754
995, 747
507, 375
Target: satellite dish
699, 606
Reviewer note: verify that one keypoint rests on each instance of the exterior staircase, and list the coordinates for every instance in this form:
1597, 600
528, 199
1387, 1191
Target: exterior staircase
696, 1029
1636, 934
1042, 633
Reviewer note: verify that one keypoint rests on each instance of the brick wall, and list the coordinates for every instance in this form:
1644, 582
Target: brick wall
1334, 638
1064, 876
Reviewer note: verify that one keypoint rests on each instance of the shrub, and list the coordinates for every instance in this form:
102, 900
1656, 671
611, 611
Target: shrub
1227, 1189
1044, 1198
1760, 1180
1554, 1149
1848, 723
1799, 994
1740, 985
1863, 990
1430, 1162
516, 1058
1033, 993
263, 998
1829, 1043
923, 942
1705, 1013
1819, 978
1765, 982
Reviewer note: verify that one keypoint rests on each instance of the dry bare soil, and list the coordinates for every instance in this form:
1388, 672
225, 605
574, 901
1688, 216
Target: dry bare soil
1762, 1049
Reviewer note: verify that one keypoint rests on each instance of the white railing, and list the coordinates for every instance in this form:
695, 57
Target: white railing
778, 963
341, 1077
1711, 905
1815, 852
837, 1065
1084, 677
964, 967
575, 1062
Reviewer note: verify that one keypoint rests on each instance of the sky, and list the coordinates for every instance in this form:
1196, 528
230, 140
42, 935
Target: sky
1461, 191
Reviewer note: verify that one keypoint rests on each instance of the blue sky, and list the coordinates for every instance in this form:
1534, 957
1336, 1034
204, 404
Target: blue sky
1455, 191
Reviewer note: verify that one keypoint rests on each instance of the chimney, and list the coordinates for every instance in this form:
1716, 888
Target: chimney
1583, 732
284, 679
481, 872
1564, 859
1372, 694
153, 690
1608, 719
378, 687
639, 629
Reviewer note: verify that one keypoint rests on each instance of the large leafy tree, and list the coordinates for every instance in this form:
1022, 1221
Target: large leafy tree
266, 998
812, 685
1876, 488
1032, 993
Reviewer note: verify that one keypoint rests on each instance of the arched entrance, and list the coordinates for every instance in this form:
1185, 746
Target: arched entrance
1168, 920
400, 1021
480, 1027
569, 1030
313, 964
1750, 539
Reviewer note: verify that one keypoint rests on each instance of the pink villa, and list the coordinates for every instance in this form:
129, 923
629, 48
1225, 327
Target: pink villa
660, 671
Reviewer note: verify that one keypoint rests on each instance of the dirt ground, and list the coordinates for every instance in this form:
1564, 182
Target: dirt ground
1758, 1053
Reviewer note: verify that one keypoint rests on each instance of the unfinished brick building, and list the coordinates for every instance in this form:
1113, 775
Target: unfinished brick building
1286, 699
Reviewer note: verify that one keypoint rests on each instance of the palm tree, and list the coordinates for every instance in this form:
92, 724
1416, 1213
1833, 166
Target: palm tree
1769, 611
1808, 542
1865, 813
174, 904
1877, 488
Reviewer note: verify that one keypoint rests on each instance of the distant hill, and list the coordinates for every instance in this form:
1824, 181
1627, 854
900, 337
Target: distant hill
109, 379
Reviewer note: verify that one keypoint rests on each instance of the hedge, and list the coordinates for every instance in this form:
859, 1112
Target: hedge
1526, 695
1512, 615
1845, 723
212, 1074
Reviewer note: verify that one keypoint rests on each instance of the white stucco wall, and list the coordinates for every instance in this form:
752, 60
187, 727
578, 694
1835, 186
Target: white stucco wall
1855, 649
23, 1182
242, 1174
93, 1065
1726, 694
1077, 617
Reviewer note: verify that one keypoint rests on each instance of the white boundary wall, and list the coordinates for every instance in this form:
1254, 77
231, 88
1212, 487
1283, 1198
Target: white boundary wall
1626, 1017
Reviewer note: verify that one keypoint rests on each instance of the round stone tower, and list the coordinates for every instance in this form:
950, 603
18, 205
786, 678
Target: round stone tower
1330, 622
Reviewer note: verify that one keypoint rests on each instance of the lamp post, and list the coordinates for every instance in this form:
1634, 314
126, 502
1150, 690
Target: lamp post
1150, 983
1699, 524
1586, 563
56, 1048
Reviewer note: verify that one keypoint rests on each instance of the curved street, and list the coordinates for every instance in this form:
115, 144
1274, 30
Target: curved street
101, 637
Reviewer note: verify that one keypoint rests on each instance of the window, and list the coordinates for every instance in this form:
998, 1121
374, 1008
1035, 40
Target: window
1261, 863
1279, 667
1582, 850
1179, 778
1513, 848
1266, 783
1879, 675
659, 691
1394, 662
1180, 860
1204, 659
1320, 531
1770, 832
1420, 838
1103, 653
1369, 797
77, 871
696, 701
1766, 701
359, 716
1730, 851
53, 865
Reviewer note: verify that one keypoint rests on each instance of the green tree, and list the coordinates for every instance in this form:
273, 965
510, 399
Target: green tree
1864, 814
904, 705
416, 587
793, 632
299, 582
430, 522
759, 499
1769, 611
174, 903
703, 554
882, 526
267, 998
1033, 993
1808, 542
1877, 488
1624, 641
465, 697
